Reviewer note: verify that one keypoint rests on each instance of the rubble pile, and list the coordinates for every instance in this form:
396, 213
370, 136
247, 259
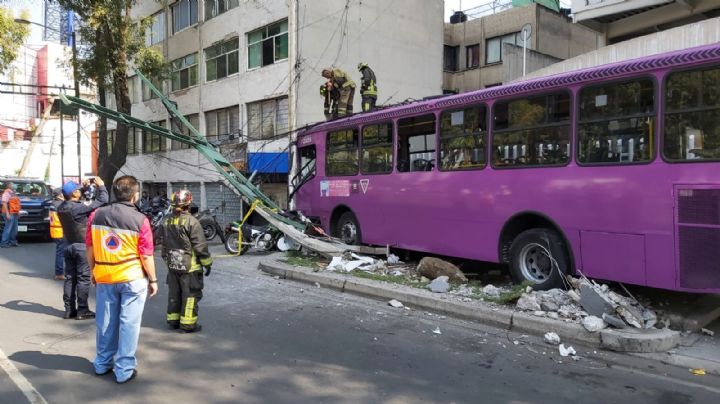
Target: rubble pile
593, 305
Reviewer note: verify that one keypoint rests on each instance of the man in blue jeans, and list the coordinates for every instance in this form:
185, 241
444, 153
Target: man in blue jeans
120, 252
11, 213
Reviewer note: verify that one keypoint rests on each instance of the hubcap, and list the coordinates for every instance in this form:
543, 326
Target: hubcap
348, 232
535, 264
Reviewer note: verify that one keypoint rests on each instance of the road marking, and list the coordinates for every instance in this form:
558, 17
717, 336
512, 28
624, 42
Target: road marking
33, 396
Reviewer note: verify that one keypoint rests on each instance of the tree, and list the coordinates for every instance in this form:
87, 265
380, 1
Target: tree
112, 40
12, 36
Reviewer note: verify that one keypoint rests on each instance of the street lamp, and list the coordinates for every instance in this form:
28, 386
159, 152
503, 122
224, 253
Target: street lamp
76, 84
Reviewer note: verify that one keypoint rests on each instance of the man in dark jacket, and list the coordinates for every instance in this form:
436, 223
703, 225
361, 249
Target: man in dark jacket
73, 215
185, 251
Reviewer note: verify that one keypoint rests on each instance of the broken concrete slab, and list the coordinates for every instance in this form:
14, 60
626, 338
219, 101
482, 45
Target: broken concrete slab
614, 321
439, 285
634, 340
593, 324
528, 302
432, 268
593, 302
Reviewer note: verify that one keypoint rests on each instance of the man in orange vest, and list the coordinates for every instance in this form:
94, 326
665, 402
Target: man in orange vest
11, 213
120, 252
56, 233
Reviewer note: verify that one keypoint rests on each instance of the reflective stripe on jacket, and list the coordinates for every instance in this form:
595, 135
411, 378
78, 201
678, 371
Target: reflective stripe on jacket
115, 232
182, 231
342, 79
368, 85
56, 231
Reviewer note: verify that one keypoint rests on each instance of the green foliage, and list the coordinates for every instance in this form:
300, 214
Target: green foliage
510, 296
298, 259
12, 37
400, 280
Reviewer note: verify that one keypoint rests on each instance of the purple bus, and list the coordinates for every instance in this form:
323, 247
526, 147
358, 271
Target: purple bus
612, 172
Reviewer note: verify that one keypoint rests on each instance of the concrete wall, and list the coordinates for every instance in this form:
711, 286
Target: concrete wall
688, 36
513, 61
402, 43
552, 35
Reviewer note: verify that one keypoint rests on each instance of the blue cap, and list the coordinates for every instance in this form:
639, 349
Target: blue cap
69, 188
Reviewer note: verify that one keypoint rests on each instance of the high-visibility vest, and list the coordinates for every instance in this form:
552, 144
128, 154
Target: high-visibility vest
13, 205
115, 232
56, 230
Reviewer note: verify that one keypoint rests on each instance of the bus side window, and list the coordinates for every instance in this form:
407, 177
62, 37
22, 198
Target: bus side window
416, 143
342, 153
377, 149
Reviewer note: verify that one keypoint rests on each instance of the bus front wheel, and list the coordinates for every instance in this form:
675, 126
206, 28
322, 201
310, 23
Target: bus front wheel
348, 229
539, 257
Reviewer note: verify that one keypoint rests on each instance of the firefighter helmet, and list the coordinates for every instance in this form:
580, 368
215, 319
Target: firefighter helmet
182, 198
362, 66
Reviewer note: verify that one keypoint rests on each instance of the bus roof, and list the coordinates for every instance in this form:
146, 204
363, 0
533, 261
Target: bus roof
684, 57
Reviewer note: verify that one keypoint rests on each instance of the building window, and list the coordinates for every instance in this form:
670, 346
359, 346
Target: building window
377, 149
342, 153
472, 56
213, 8
267, 119
416, 143
184, 14
184, 72
462, 139
268, 45
222, 124
194, 120
221, 60
133, 145
148, 94
616, 123
450, 58
494, 46
531, 132
152, 142
156, 31
692, 116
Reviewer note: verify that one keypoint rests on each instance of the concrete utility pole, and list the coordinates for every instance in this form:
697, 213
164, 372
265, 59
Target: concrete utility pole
293, 51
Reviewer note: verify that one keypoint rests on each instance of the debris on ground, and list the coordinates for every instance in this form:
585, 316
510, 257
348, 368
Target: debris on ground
593, 324
432, 268
698, 372
439, 285
566, 351
707, 332
552, 338
393, 259
491, 290
437, 331
593, 305
349, 262
395, 303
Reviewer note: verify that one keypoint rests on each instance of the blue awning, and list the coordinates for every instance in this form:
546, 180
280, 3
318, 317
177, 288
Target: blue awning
268, 163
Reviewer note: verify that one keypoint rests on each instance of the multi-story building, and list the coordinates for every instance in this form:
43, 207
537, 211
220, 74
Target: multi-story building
246, 74
620, 20
487, 50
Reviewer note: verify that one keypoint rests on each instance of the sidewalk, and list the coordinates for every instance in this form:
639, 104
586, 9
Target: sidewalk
666, 346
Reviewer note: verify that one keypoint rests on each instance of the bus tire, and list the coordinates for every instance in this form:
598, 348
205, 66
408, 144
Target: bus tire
529, 259
347, 229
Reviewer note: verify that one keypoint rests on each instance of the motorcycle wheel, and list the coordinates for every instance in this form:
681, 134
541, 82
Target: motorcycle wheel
210, 231
232, 244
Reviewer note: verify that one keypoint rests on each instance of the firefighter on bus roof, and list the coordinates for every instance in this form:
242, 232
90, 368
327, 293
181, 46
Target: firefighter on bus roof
368, 87
185, 251
332, 98
338, 79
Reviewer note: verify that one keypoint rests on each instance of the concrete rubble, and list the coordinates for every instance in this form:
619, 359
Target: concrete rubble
439, 285
432, 268
552, 338
593, 305
395, 303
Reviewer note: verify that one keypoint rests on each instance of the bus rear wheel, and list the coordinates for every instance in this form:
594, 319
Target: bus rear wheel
347, 229
539, 256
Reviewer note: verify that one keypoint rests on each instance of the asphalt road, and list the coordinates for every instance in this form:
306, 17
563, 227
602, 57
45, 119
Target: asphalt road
275, 341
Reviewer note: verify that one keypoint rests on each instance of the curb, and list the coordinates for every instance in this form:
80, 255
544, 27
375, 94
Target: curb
511, 320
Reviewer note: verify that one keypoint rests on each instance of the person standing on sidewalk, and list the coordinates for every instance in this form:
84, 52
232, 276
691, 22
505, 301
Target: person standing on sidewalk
56, 233
73, 216
185, 251
11, 211
120, 253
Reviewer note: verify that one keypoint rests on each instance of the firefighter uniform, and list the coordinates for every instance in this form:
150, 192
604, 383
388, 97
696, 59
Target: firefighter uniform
332, 99
56, 233
368, 88
185, 251
346, 87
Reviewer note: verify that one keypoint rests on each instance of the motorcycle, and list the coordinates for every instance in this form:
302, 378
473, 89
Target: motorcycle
210, 225
156, 214
261, 238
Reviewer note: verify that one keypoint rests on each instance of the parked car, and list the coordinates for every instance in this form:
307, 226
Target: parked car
35, 198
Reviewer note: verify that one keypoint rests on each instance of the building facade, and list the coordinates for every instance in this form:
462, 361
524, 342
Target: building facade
246, 74
488, 50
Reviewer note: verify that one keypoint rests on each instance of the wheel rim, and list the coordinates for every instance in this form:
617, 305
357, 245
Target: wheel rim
209, 231
233, 242
348, 232
535, 264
